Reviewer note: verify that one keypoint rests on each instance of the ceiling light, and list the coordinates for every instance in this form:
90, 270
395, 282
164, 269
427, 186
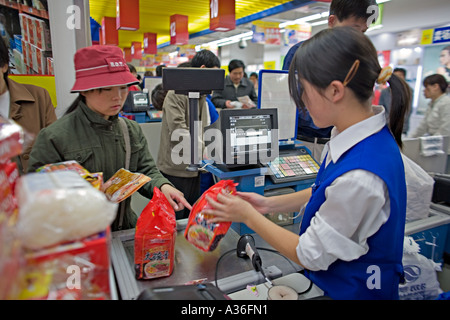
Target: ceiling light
318, 23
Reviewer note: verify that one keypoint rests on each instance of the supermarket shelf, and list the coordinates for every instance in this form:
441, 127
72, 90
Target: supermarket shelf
25, 9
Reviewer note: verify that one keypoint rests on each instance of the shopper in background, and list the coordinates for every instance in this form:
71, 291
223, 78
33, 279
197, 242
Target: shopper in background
355, 216
158, 96
91, 132
236, 86
352, 13
437, 117
30, 106
159, 69
254, 78
385, 98
175, 121
134, 87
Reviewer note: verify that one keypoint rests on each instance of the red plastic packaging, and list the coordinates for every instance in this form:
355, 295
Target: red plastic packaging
199, 231
154, 242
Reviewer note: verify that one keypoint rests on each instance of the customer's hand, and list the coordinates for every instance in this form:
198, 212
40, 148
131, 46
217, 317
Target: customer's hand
175, 197
229, 207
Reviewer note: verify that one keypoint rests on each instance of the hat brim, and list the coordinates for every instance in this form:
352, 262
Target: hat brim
104, 80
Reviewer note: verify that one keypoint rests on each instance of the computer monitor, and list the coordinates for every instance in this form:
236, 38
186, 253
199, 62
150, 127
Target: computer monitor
137, 101
273, 92
244, 137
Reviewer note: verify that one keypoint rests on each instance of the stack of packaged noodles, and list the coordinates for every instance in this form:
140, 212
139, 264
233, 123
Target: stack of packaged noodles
54, 225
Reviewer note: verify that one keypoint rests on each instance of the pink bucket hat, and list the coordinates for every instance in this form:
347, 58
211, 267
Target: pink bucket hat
99, 67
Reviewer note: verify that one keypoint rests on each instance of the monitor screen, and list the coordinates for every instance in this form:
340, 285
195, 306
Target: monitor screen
244, 137
250, 133
274, 93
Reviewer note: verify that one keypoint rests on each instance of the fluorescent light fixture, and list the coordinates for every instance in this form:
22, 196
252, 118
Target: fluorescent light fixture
374, 28
225, 41
318, 23
305, 19
382, 1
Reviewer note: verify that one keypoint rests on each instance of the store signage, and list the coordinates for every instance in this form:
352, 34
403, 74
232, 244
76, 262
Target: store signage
222, 16
266, 32
179, 33
297, 33
150, 46
136, 50
127, 54
127, 15
110, 34
438, 35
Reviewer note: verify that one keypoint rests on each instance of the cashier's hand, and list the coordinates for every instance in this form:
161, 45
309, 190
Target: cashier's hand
175, 197
230, 207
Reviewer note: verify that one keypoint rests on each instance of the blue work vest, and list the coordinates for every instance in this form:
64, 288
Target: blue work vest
375, 275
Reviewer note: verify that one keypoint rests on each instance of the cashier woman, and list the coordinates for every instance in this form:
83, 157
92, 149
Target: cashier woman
91, 133
351, 236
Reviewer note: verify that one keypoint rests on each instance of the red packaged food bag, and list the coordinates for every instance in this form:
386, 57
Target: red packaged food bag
154, 241
199, 231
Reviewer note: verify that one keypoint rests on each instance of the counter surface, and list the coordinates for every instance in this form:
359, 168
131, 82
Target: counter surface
190, 263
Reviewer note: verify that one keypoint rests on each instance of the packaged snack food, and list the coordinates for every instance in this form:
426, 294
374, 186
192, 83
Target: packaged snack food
199, 231
123, 184
154, 241
59, 206
95, 179
13, 139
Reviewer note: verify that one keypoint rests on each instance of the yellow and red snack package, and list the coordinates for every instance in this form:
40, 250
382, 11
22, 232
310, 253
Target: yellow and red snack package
154, 241
199, 231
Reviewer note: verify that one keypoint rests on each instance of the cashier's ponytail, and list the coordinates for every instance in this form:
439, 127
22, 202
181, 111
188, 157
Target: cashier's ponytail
347, 55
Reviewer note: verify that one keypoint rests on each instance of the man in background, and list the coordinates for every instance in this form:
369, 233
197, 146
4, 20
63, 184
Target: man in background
353, 13
28, 105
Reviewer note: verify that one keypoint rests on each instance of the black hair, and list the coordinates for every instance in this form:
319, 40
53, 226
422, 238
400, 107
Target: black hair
158, 96
344, 9
234, 64
402, 70
4, 57
436, 79
254, 74
346, 45
186, 64
205, 58
158, 70
75, 103
446, 48
131, 67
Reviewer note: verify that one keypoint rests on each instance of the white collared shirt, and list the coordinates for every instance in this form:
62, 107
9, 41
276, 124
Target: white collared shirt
356, 204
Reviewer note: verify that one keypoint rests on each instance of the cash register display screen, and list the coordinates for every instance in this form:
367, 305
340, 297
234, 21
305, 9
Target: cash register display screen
250, 133
140, 100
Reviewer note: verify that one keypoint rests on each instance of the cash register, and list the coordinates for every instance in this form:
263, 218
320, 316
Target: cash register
294, 162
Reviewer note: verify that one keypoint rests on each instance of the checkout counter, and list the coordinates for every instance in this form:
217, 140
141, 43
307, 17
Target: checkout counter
231, 274
221, 266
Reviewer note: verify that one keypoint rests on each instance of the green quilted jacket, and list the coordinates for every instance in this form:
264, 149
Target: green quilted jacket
98, 145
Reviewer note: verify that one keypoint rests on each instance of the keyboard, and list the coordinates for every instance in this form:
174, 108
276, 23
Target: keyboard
293, 165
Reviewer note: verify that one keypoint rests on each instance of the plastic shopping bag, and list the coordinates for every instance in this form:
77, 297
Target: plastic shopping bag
419, 190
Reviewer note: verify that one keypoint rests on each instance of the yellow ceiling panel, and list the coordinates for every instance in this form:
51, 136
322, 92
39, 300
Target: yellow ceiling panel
155, 15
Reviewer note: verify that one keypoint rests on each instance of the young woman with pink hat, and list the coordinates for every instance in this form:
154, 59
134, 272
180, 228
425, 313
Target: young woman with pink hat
92, 133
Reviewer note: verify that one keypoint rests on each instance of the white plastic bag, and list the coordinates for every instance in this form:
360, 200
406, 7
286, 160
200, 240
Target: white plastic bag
59, 206
420, 274
419, 190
